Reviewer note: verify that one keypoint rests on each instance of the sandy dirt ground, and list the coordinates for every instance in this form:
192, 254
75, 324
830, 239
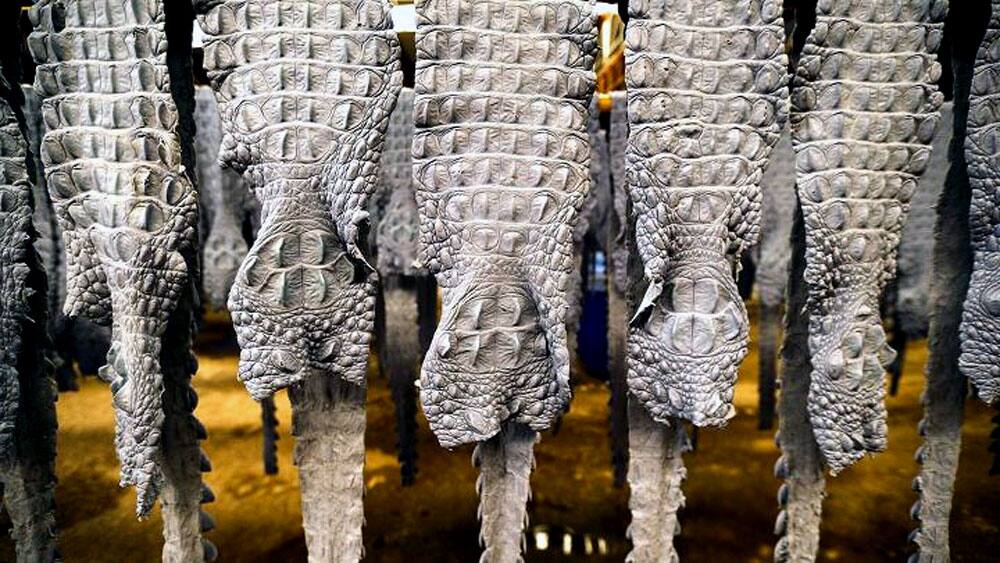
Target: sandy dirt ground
576, 513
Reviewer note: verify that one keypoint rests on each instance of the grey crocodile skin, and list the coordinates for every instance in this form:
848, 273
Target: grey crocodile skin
127, 209
305, 92
777, 208
398, 230
27, 392
15, 309
617, 268
981, 314
864, 113
917, 240
501, 165
617, 139
224, 201
707, 97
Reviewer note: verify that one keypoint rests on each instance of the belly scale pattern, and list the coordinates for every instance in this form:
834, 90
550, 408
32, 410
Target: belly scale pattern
864, 111
981, 314
501, 165
707, 97
305, 91
126, 206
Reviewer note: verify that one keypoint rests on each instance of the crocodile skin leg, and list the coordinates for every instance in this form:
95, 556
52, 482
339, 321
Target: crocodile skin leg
402, 360
655, 475
945, 386
505, 462
800, 497
328, 422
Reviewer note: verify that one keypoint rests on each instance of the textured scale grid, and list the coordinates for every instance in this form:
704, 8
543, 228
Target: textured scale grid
980, 327
15, 309
864, 111
305, 90
126, 207
707, 97
398, 232
501, 167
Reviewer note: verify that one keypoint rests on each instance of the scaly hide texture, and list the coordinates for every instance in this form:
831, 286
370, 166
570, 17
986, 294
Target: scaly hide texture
864, 111
981, 314
800, 497
778, 203
946, 387
655, 473
777, 207
126, 206
617, 264
49, 245
590, 221
305, 92
397, 229
707, 97
917, 242
224, 200
617, 140
506, 461
27, 392
502, 168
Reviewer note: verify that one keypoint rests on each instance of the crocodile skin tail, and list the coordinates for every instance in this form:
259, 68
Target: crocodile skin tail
656, 472
401, 357
269, 427
945, 388
328, 422
505, 462
800, 497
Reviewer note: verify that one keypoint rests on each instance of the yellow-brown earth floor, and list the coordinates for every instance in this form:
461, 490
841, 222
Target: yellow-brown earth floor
730, 488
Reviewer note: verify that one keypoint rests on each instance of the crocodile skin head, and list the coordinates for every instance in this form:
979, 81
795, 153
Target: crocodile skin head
501, 165
305, 92
224, 200
127, 209
15, 310
777, 208
707, 97
981, 314
913, 286
397, 225
864, 110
